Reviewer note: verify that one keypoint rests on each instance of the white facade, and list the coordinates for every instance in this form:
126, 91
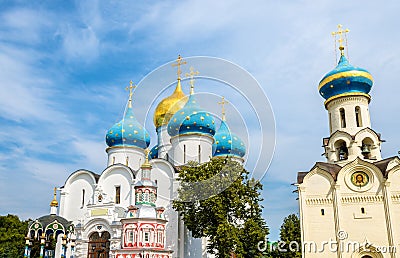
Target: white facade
349, 206
98, 203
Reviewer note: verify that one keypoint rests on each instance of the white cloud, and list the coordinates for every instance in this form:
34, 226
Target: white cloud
80, 44
24, 25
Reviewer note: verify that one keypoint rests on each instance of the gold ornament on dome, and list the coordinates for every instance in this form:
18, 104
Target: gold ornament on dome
54, 202
170, 105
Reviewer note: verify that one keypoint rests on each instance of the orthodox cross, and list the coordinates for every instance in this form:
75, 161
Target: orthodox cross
342, 37
222, 103
179, 62
55, 193
191, 76
130, 88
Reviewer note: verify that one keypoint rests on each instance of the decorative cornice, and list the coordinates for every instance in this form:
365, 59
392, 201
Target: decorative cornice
348, 94
362, 198
318, 201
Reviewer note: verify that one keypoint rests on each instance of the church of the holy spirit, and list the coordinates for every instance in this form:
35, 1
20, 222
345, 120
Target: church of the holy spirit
126, 210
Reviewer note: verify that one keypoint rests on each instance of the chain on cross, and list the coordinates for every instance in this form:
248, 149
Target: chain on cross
342, 37
222, 103
191, 75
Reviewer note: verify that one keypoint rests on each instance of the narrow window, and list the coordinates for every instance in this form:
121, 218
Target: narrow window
166, 157
362, 210
184, 154
118, 194
342, 118
330, 122
146, 236
322, 212
358, 116
113, 161
199, 153
131, 236
83, 198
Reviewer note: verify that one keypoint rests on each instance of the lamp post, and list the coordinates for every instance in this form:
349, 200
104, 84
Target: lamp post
27, 240
30, 246
72, 246
42, 242
64, 246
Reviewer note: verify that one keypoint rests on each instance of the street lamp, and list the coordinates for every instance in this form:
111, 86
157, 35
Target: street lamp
27, 242
64, 245
73, 246
42, 242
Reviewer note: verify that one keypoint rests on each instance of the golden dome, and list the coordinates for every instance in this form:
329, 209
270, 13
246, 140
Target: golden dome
169, 106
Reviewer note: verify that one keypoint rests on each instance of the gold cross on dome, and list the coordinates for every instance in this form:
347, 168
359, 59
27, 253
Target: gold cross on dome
179, 61
342, 37
130, 88
222, 103
191, 76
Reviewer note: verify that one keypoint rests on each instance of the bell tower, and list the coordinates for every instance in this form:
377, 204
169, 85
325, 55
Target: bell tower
346, 91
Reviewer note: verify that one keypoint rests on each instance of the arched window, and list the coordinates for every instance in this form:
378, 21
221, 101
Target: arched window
118, 194
341, 150
199, 153
184, 154
342, 118
83, 198
358, 116
146, 237
130, 236
366, 147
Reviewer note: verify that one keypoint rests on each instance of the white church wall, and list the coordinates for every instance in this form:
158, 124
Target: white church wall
193, 147
128, 155
317, 212
76, 194
113, 177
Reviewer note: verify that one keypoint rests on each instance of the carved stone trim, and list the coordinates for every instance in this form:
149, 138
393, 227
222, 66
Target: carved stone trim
362, 198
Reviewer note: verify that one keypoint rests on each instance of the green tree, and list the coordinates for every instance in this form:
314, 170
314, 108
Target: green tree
12, 236
219, 201
290, 234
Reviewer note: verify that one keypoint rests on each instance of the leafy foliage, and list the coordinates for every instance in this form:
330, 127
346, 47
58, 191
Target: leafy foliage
230, 219
290, 239
290, 231
12, 236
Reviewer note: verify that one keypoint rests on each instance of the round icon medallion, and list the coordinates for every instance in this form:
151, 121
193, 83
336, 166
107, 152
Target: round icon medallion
359, 179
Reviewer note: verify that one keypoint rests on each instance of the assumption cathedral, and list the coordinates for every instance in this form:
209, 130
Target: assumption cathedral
126, 210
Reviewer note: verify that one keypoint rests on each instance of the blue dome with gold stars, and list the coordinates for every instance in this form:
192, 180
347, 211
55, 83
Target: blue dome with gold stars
227, 143
128, 132
345, 79
153, 154
191, 119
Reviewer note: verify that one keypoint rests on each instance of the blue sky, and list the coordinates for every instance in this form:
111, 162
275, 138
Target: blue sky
64, 65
